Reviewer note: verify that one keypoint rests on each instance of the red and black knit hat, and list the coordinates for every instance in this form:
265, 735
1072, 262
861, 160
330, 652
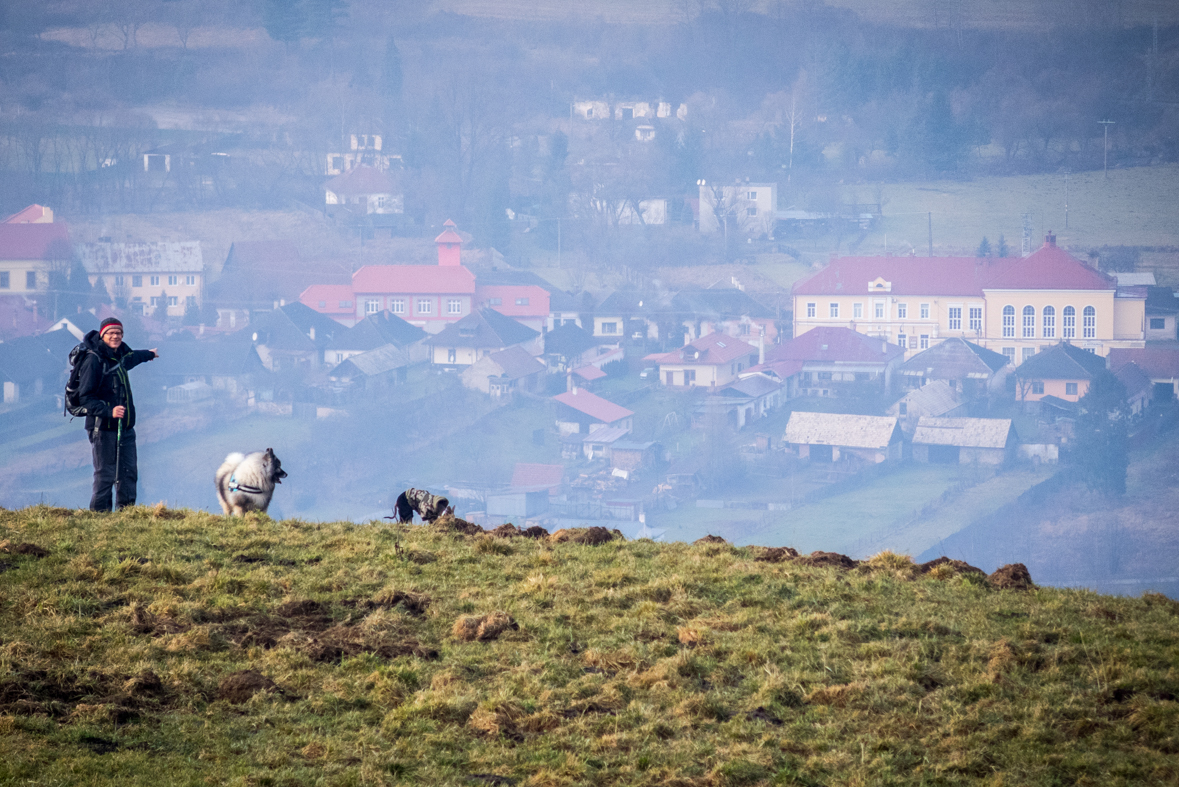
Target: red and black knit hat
107, 323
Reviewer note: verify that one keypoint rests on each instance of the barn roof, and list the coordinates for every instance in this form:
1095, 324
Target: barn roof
955, 359
1062, 362
594, 406
963, 432
851, 431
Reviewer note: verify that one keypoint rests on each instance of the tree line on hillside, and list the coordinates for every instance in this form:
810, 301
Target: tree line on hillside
481, 111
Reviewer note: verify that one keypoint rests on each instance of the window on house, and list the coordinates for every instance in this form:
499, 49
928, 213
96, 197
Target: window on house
1068, 323
589, 112
609, 327
1028, 352
136, 281
824, 375
323, 304
1010, 353
902, 311
670, 378
4, 285
834, 308
1048, 323
372, 306
1089, 322
521, 301
190, 281
1037, 387
1156, 323
753, 195
810, 310
397, 305
173, 300
118, 281
976, 318
904, 408
925, 341
425, 306
155, 301
1009, 322
454, 306
451, 355
745, 329
1029, 322
1070, 389
155, 281
30, 280
380, 200
925, 311
495, 301
689, 377
857, 310
751, 211
955, 318
902, 341
173, 281
879, 309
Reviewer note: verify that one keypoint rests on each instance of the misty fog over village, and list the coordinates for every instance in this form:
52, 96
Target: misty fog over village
841, 276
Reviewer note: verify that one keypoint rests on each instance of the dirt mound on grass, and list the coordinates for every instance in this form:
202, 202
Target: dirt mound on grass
506, 531
589, 536
413, 603
452, 524
1013, 576
28, 550
238, 687
340, 642
483, 628
777, 554
710, 539
94, 696
145, 622
536, 531
957, 566
828, 559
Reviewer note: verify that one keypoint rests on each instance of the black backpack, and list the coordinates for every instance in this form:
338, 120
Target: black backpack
73, 404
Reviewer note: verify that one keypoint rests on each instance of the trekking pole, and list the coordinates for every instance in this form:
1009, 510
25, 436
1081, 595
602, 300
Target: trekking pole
118, 449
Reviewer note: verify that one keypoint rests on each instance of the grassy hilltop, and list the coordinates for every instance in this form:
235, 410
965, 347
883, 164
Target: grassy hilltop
160, 646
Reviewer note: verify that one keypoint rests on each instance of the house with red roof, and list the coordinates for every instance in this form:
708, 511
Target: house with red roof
1013, 306
1161, 365
581, 412
337, 301
31, 245
428, 296
711, 361
834, 362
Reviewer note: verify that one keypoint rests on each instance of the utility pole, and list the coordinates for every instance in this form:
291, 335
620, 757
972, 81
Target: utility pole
1066, 199
559, 239
1105, 166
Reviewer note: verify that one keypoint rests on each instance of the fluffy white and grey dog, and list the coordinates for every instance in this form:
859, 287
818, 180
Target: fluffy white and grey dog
245, 482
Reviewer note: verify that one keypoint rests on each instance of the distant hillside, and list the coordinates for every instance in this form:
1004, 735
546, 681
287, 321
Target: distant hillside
158, 646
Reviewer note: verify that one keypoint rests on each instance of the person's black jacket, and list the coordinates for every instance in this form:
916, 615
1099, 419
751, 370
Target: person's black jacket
103, 383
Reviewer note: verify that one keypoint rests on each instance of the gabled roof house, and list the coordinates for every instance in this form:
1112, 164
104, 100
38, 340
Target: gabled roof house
478, 334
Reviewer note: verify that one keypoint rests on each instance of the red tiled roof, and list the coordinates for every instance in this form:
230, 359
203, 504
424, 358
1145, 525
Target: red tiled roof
35, 242
1048, 268
330, 294
908, 275
784, 369
596, 407
840, 345
527, 474
715, 348
413, 279
361, 180
34, 214
1158, 362
589, 373
448, 236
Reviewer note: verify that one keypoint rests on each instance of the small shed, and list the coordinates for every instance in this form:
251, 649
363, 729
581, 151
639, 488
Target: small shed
828, 437
934, 399
985, 441
599, 443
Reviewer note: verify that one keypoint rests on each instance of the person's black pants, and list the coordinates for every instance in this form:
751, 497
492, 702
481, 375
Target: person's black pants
104, 448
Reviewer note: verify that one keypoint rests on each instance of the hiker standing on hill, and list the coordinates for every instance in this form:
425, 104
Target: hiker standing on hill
105, 392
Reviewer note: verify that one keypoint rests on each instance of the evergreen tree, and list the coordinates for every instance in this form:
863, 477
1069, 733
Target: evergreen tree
984, 248
1003, 250
1101, 450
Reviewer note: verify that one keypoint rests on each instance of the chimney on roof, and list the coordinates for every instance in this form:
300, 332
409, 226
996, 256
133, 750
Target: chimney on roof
1049, 239
761, 345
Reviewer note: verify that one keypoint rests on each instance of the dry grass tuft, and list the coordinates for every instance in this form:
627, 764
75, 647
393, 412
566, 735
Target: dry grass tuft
839, 696
483, 628
889, 562
589, 536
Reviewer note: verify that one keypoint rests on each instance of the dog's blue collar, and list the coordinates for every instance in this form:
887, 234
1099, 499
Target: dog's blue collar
234, 486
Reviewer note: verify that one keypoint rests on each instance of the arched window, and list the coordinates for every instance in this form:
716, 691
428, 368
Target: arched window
1089, 322
1049, 323
1009, 322
1029, 322
1069, 326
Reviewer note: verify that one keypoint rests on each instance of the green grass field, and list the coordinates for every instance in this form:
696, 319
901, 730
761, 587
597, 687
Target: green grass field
170, 647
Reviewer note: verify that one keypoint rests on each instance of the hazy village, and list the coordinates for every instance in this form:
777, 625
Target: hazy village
582, 316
